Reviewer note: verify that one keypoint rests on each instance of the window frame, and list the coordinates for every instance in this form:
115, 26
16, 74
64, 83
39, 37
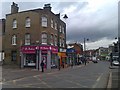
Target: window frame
14, 40
55, 40
55, 25
27, 22
14, 23
51, 39
13, 55
52, 23
44, 21
27, 39
44, 37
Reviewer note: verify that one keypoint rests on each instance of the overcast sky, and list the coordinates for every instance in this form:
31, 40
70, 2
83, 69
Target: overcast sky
93, 19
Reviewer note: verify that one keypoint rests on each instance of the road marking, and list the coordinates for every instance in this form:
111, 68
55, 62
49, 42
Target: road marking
98, 79
76, 83
43, 82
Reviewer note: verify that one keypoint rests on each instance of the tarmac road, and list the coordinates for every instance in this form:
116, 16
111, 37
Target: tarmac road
93, 75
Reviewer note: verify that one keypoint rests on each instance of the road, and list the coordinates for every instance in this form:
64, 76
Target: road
90, 76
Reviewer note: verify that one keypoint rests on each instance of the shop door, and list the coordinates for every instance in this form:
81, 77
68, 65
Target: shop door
44, 59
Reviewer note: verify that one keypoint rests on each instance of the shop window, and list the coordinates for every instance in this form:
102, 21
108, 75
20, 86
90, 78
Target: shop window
27, 22
14, 55
14, 39
30, 60
27, 39
44, 22
14, 23
44, 38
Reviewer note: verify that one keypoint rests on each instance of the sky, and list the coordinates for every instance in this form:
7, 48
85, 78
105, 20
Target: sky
96, 20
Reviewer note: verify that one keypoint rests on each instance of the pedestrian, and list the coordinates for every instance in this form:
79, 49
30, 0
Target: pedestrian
85, 60
72, 64
63, 64
42, 66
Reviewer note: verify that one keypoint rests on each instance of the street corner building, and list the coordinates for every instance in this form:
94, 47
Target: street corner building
32, 36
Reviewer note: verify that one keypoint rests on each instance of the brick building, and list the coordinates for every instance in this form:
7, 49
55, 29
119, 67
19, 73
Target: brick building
74, 53
2, 34
34, 35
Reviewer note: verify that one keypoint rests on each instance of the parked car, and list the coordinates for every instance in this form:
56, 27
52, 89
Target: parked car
94, 61
116, 63
53, 66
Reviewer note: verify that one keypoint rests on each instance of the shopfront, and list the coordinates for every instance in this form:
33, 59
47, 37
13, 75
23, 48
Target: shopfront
71, 56
31, 56
63, 58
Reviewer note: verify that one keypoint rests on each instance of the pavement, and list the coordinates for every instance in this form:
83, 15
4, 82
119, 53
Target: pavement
114, 78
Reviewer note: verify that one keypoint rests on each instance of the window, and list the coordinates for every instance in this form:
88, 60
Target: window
14, 23
44, 21
27, 39
51, 23
27, 22
63, 31
60, 42
14, 39
14, 55
51, 39
55, 40
55, 26
44, 38
63, 43
60, 28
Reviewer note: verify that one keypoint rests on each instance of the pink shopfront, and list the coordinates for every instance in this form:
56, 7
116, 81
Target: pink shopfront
31, 56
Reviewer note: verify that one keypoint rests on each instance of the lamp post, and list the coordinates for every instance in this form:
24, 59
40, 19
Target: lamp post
65, 17
85, 50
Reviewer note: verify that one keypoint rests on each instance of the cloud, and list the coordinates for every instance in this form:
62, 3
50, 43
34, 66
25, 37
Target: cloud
93, 19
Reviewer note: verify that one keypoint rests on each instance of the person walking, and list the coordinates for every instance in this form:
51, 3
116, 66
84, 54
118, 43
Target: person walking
42, 66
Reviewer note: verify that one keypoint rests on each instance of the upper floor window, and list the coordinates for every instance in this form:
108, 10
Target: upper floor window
27, 39
55, 40
51, 39
63, 31
51, 23
14, 39
63, 43
14, 23
27, 22
44, 21
55, 26
60, 28
44, 38
60, 42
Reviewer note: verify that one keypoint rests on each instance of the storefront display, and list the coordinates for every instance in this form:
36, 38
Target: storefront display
33, 55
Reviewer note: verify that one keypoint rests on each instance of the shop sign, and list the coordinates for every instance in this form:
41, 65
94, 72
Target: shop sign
44, 47
51, 48
54, 49
28, 49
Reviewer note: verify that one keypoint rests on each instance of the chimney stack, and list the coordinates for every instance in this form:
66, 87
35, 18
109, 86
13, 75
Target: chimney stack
14, 8
47, 7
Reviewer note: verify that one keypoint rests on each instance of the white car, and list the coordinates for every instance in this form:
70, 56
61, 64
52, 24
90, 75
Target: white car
116, 63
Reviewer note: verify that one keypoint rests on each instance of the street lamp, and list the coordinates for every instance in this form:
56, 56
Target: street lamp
65, 17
